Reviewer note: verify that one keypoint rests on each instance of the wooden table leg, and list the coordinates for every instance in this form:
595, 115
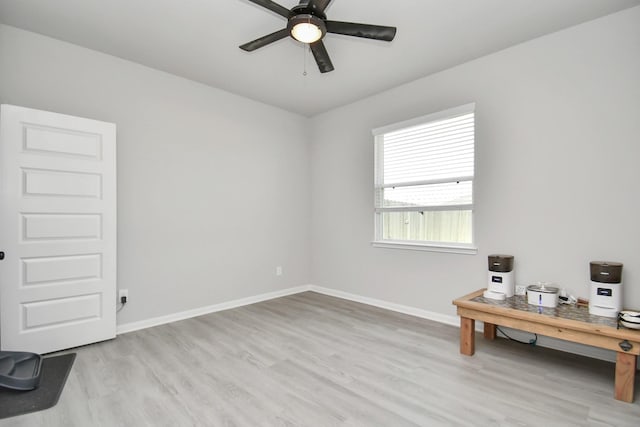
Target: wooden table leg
489, 331
467, 336
625, 376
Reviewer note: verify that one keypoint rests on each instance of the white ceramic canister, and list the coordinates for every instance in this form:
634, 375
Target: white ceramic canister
542, 295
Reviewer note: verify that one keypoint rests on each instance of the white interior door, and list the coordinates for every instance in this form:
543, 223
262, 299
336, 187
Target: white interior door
57, 230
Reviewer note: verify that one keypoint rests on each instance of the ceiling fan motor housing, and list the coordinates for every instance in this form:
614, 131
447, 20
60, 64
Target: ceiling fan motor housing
306, 10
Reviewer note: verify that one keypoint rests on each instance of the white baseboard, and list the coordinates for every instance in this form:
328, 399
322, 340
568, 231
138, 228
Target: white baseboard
182, 315
552, 343
412, 311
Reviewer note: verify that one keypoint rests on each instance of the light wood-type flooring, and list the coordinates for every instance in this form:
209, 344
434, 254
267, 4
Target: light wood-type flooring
313, 360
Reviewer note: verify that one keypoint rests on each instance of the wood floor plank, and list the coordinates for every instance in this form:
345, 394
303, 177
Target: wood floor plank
314, 360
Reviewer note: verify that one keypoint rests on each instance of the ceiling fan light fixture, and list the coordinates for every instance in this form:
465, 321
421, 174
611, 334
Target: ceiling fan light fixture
306, 32
307, 28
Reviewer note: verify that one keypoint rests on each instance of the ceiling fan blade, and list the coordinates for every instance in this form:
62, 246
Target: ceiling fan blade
265, 40
376, 32
322, 56
272, 6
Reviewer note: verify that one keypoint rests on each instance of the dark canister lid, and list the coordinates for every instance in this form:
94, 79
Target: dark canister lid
501, 263
606, 272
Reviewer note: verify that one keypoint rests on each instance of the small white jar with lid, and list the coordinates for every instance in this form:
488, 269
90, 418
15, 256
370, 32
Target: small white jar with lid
542, 295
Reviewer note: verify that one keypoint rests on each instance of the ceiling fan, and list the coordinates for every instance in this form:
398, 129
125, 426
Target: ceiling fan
307, 23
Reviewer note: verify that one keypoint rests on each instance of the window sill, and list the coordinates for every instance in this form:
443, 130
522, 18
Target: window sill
429, 247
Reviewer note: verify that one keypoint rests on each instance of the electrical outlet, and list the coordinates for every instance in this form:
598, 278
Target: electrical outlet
123, 294
521, 289
279, 270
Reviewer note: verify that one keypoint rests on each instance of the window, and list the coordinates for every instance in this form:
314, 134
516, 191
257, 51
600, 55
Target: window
424, 182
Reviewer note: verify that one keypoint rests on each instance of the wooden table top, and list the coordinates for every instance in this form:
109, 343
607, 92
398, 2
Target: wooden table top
566, 316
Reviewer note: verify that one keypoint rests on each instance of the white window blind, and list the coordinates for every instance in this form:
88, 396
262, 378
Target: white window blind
424, 179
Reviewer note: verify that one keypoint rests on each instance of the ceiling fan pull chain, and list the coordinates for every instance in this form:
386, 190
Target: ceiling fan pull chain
306, 48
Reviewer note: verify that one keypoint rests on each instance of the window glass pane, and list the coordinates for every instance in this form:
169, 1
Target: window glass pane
436, 150
447, 194
433, 226
424, 171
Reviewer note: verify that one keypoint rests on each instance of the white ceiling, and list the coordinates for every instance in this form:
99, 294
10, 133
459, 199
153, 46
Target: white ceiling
199, 39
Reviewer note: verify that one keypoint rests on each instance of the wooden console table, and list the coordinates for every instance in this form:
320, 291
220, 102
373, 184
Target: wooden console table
565, 322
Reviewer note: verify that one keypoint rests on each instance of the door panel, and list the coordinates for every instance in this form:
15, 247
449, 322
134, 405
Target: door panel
51, 269
62, 142
61, 311
57, 229
40, 227
61, 184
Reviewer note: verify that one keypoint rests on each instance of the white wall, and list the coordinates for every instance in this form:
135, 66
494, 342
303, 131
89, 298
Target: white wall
213, 189
557, 170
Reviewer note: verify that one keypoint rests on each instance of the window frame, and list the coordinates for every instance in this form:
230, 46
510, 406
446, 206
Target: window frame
434, 246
